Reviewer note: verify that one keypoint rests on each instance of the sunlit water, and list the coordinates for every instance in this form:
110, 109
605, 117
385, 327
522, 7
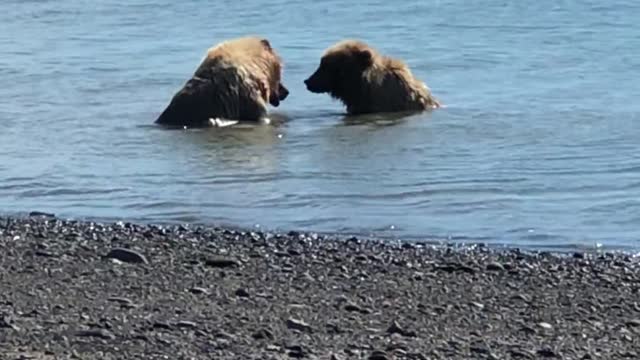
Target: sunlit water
538, 145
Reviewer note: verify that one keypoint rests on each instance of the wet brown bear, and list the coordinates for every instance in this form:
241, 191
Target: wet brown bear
367, 82
235, 81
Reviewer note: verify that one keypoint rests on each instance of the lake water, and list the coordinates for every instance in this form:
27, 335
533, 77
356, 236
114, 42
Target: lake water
538, 145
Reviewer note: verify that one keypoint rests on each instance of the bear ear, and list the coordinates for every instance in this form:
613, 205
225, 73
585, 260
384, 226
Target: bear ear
266, 44
365, 57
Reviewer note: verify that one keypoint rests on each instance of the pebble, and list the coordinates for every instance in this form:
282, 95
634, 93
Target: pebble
454, 267
186, 324
477, 305
199, 291
296, 351
242, 293
98, 333
299, 325
520, 297
120, 300
547, 353
161, 325
47, 254
7, 323
221, 262
262, 334
545, 325
633, 323
351, 307
495, 266
378, 355
395, 328
127, 255
42, 214
479, 350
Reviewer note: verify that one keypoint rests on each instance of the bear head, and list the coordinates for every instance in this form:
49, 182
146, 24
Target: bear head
277, 92
341, 69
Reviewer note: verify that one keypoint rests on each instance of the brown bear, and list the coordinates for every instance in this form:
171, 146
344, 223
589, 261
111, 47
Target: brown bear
235, 81
368, 82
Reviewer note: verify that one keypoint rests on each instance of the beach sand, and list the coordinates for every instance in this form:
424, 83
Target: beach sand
83, 290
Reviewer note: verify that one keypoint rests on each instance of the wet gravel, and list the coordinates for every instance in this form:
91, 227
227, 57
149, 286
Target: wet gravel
84, 290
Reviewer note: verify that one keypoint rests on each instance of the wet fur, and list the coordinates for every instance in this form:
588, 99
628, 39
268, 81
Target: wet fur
235, 81
367, 82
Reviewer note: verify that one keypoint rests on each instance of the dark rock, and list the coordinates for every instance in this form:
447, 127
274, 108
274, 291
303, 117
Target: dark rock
333, 328
299, 325
242, 293
378, 355
395, 328
221, 334
41, 214
296, 351
282, 254
127, 255
528, 330
263, 334
521, 297
186, 324
355, 308
547, 353
479, 350
6, 322
199, 291
221, 262
353, 240
495, 266
522, 354
633, 323
161, 325
453, 267
120, 300
96, 333
47, 254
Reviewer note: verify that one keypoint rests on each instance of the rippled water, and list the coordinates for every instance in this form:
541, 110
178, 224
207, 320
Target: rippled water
538, 145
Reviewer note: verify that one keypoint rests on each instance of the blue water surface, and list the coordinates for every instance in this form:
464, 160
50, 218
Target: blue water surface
537, 147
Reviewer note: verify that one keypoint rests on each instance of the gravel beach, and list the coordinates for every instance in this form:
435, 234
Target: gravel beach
84, 290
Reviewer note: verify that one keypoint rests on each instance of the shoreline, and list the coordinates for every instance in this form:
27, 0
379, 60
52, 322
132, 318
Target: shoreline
455, 242
81, 289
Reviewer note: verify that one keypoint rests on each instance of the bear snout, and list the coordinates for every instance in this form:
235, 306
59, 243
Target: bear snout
283, 92
279, 95
314, 85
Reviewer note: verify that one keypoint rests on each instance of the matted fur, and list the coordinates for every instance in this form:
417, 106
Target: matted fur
368, 82
235, 81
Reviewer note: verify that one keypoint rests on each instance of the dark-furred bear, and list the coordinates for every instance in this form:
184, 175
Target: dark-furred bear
368, 82
235, 81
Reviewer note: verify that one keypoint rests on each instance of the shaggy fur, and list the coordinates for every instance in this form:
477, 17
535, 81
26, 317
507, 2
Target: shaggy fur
235, 81
367, 82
